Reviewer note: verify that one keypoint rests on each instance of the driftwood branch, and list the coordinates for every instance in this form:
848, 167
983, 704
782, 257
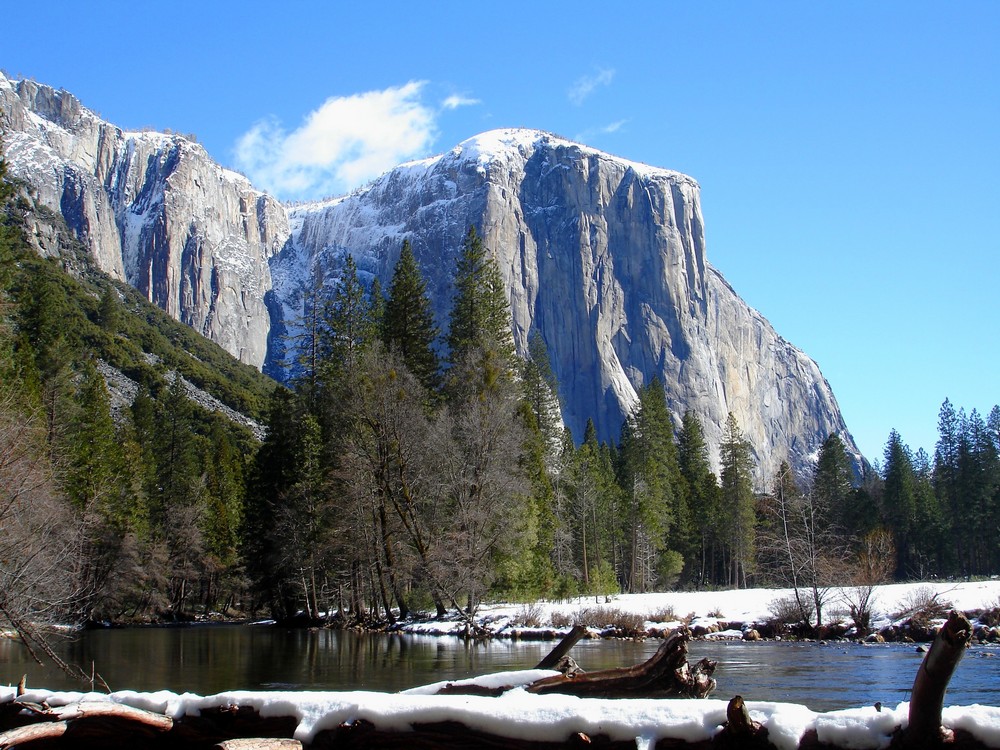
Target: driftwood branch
82, 722
18, 736
666, 674
931, 682
563, 648
259, 743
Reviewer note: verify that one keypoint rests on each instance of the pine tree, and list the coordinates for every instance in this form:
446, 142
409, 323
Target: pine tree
899, 501
109, 313
312, 343
832, 488
541, 391
480, 314
701, 488
10, 229
273, 473
650, 481
408, 323
350, 325
737, 510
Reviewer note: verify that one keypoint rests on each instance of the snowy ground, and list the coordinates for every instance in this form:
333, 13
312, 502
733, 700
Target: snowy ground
746, 606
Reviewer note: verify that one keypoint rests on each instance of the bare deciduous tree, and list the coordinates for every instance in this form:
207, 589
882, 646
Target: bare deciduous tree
38, 533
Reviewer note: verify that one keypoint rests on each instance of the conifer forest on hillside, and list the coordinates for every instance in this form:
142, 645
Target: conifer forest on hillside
404, 469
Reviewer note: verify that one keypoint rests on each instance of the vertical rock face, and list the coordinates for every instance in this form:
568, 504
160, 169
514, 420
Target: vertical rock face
606, 260
154, 210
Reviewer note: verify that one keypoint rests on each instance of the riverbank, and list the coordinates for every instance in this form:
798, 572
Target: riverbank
897, 612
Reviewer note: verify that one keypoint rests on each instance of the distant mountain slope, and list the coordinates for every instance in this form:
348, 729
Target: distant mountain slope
605, 258
143, 345
154, 210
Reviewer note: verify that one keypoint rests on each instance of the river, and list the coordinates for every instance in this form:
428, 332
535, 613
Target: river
212, 659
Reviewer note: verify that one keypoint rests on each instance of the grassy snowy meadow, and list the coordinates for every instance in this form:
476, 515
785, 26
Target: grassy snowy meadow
891, 603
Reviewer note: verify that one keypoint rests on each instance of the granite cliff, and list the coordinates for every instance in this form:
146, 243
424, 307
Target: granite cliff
605, 258
154, 210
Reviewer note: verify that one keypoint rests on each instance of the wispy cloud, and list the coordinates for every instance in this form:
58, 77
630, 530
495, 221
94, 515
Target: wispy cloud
590, 133
347, 141
455, 101
586, 85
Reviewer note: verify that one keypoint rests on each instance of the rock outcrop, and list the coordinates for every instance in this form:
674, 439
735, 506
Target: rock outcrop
154, 210
606, 260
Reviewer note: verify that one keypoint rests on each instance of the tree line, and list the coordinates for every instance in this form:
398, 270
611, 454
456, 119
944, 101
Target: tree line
408, 469
109, 509
405, 481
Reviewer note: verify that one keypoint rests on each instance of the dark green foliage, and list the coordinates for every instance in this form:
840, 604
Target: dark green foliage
272, 476
650, 481
899, 501
701, 488
966, 482
154, 491
408, 321
832, 482
480, 314
738, 532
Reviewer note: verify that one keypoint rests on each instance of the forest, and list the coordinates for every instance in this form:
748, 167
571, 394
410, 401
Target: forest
405, 469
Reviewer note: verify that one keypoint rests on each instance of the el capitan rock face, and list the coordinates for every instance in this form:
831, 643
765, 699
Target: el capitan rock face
605, 258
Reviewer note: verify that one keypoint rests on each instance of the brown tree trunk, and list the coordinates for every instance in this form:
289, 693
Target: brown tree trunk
931, 682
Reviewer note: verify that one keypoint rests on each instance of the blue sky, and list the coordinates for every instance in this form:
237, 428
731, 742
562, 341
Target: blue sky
848, 153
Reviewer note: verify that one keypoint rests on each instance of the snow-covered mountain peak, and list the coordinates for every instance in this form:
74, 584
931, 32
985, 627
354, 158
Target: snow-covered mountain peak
507, 144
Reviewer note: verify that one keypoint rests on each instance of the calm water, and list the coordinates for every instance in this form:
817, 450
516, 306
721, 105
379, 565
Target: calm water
211, 659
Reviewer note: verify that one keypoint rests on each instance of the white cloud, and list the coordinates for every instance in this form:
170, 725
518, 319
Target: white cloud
455, 101
346, 142
590, 133
585, 85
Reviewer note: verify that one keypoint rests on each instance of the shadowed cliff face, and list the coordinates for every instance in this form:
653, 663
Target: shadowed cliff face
154, 210
604, 258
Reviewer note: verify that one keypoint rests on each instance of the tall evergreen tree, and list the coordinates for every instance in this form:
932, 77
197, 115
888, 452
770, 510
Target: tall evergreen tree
480, 314
593, 498
408, 323
350, 323
899, 501
274, 472
541, 392
701, 489
832, 487
650, 480
311, 342
737, 510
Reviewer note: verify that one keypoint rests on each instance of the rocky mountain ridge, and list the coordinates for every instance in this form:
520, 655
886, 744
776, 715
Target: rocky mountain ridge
605, 258
154, 211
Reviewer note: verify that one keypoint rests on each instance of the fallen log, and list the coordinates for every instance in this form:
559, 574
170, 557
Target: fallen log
259, 743
20, 736
666, 674
82, 722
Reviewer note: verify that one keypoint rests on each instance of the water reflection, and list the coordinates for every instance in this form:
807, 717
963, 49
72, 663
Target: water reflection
212, 659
